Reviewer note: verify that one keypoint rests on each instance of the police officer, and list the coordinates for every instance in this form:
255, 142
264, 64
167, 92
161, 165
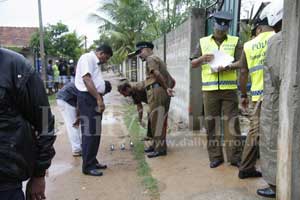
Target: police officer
138, 94
270, 105
252, 61
220, 92
158, 84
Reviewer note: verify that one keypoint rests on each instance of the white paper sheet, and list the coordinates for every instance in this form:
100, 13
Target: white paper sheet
220, 59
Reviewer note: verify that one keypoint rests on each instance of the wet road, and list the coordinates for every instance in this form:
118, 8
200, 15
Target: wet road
120, 180
182, 175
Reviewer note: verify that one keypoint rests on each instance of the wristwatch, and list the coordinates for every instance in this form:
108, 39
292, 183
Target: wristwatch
192, 58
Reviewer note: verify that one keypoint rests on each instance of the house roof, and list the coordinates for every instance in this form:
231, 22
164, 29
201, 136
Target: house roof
16, 36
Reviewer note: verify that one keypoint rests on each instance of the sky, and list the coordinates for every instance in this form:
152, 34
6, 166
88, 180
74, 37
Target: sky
74, 13
247, 6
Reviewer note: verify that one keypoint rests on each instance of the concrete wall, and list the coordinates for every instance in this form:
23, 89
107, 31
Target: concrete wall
288, 174
178, 64
186, 106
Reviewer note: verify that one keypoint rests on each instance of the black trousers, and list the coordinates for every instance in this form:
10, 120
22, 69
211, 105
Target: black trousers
12, 194
90, 128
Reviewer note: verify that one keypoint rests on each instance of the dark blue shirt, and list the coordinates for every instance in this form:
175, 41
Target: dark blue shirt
68, 94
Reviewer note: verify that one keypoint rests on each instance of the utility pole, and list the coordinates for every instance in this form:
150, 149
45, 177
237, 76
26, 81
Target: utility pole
85, 43
42, 50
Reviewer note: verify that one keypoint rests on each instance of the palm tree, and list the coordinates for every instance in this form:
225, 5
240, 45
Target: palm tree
123, 23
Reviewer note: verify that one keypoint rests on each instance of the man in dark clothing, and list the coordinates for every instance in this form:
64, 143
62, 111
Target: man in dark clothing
50, 73
67, 102
137, 92
63, 73
72, 71
26, 129
91, 86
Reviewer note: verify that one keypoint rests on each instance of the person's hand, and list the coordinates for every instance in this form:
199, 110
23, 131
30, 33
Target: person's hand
207, 58
222, 68
101, 105
170, 92
245, 103
35, 189
76, 123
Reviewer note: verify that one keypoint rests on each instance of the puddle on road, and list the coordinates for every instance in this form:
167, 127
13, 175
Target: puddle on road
109, 119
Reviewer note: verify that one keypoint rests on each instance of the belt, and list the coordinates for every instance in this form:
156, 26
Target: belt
154, 85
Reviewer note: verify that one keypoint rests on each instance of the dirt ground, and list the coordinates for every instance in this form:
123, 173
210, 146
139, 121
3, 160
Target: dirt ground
120, 180
182, 175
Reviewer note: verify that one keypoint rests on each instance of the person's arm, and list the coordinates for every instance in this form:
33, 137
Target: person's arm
161, 80
239, 57
77, 121
198, 59
244, 72
154, 70
33, 103
87, 79
139, 107
201, 60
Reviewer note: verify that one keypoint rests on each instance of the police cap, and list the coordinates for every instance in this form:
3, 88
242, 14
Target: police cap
140, 46
222, 15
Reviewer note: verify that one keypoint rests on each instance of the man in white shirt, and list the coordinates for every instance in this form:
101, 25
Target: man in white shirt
89, 82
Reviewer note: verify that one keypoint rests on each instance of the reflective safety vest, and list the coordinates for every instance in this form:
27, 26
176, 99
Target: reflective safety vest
226, 80
255, 51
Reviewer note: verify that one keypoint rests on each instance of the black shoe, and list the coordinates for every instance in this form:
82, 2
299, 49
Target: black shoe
249, 174
266, 192
149, 150
93, 172
156, 154
99, 166
146, 139
215, 163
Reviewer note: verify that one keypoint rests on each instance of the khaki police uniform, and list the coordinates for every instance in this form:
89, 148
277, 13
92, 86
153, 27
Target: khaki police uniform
139, 95
158, 101
270, 109
221, 101
255, 53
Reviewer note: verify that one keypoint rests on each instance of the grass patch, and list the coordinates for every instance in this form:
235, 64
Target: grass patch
136, 133
52, 99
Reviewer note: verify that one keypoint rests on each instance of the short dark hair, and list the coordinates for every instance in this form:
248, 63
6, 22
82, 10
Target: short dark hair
105, 49
123, 86
50, 61
107, 87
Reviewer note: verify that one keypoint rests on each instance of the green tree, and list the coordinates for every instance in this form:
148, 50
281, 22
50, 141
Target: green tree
59, 42
125, 22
